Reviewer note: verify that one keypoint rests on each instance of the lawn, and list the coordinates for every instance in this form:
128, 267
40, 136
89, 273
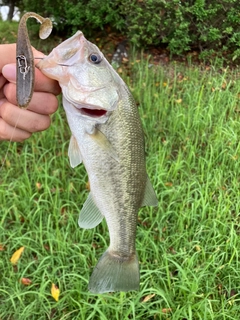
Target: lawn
188, 246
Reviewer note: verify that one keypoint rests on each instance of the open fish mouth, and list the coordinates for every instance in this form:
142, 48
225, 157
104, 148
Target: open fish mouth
88, 111
94, 113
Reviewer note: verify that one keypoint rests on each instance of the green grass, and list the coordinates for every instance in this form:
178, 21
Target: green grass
188, 246
8, 31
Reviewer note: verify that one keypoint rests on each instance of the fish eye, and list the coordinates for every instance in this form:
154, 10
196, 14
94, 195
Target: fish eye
95, 58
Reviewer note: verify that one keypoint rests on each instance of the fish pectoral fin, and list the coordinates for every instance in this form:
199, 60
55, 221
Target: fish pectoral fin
150, 198
74, 153
104, 143
90, 216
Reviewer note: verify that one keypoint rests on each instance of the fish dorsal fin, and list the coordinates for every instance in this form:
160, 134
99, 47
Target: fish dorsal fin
150, 198
90, 216
74, 153
104, 143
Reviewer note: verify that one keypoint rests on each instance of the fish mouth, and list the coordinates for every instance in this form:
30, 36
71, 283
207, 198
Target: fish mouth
93, 113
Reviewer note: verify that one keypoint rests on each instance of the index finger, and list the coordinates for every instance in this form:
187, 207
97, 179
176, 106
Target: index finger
42, 83
8, 57
8, 54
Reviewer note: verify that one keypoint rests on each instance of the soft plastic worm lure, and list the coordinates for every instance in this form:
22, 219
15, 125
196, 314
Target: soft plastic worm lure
25, 59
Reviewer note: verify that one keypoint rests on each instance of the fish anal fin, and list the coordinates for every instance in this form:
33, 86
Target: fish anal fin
150, 198
90, 216
115, 273
74, 153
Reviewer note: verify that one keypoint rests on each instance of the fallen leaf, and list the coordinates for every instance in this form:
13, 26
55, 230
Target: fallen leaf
46, 247
148, 297
71, 187
2, 248
178, 100
171, 249
25, 281
16, 256
8, 164
55, 292
224, 84
168, 184
197, 247
88, 185
63, 210
166, 310
38, 185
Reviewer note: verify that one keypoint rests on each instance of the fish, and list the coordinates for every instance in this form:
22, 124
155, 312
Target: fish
107, 137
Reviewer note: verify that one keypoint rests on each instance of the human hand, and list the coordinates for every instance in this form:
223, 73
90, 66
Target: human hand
18, 124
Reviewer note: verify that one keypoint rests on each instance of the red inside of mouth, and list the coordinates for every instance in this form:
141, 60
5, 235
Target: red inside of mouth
93, 112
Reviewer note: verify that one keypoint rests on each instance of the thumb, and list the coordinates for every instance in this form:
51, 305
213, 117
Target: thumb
9, 72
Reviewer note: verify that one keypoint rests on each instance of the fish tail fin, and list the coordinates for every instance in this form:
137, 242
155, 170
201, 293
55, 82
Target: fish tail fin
115, 273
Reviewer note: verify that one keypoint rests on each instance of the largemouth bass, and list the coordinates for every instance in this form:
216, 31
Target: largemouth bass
107, 137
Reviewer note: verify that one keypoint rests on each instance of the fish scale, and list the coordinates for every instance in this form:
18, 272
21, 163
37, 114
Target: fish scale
107, 137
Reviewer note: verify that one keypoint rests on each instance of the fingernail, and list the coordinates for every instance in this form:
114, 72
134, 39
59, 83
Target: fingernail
9, 72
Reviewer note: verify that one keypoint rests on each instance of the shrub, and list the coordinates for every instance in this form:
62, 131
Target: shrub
180, 24
8, 31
